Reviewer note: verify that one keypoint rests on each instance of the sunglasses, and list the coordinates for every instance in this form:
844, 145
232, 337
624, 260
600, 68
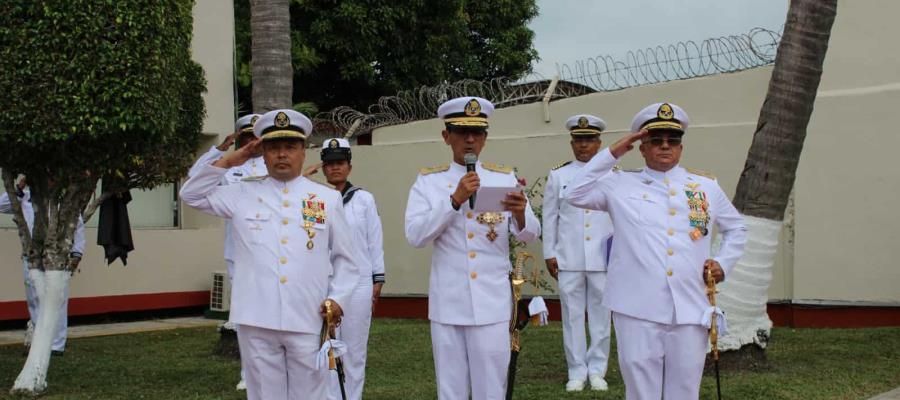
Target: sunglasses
658, 141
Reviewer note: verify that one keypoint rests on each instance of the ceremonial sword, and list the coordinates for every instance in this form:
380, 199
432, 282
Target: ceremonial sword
516, 324
713, 327
328, 328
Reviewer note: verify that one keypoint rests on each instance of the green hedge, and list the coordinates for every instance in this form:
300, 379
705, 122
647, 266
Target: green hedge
99, 86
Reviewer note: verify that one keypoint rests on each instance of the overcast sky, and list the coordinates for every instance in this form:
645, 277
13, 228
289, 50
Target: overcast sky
571, 30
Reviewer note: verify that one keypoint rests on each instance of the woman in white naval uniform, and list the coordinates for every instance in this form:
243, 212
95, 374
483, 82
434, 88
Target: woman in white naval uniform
362, 215
663, 215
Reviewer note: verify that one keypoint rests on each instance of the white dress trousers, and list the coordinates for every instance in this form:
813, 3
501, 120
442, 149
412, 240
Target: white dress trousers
265, 351
660, 361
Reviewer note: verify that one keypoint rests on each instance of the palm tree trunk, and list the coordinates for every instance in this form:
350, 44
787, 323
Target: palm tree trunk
270, 64
765, 185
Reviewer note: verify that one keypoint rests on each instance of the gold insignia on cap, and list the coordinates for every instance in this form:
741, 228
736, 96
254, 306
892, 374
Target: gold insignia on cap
282, 120
473, 108
253, 120
665, 111
333, 144
583, 122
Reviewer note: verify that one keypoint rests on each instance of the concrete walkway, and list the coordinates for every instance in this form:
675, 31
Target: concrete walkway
892, 395
81, 331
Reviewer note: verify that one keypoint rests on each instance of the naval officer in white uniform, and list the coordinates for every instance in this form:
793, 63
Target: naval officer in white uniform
576, 249
293, 249
663, 215
362, 215
254, 167
469, 297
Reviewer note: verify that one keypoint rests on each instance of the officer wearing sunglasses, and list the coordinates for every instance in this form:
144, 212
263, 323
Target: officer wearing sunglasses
663, 217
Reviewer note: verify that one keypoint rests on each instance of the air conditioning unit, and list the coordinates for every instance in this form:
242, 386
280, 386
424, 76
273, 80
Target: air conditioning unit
220, 295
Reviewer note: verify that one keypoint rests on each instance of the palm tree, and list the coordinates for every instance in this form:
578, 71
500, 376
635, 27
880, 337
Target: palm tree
270, 26
765, 185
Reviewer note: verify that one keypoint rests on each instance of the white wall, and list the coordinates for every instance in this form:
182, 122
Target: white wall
846, 188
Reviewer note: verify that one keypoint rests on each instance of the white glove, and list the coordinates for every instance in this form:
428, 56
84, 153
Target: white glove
340, 348
537, 309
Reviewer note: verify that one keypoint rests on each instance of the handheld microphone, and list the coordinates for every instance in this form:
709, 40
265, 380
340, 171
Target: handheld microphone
471, 159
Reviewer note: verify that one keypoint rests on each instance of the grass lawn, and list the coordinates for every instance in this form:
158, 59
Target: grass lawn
804, 364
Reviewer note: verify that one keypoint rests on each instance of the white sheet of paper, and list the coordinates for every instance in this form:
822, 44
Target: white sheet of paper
488, 198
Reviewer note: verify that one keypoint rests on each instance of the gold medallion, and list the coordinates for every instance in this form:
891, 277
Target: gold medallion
490, 219
696, 234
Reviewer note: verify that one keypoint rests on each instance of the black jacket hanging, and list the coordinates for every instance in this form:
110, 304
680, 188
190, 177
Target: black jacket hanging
114, 229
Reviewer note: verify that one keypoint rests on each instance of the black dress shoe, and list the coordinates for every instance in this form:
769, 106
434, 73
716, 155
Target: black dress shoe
59, 353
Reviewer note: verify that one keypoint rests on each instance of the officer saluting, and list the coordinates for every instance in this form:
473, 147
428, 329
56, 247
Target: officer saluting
254, 167
576, 245
656, 288
469, 297
290, 235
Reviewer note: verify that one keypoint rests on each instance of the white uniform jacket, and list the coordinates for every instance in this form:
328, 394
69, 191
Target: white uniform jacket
28, 212
576, 237
252, 168
362, 215
279, 281
656, 269
469, 282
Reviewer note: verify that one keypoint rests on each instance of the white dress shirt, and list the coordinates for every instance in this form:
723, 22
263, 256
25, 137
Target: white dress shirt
577, 238
656, 269
469, 283
279, 281
362, 215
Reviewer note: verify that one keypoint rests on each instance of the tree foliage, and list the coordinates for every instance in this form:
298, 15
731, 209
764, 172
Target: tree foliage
351, 52
96, 89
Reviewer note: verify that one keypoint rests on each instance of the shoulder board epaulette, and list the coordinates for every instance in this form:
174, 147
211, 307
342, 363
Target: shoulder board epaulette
561, 165
631, 169
701, 173
328, 185
254, 178
436, 168
496, 167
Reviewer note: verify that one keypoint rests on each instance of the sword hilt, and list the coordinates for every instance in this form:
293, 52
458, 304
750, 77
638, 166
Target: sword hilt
714, 323
329, 332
